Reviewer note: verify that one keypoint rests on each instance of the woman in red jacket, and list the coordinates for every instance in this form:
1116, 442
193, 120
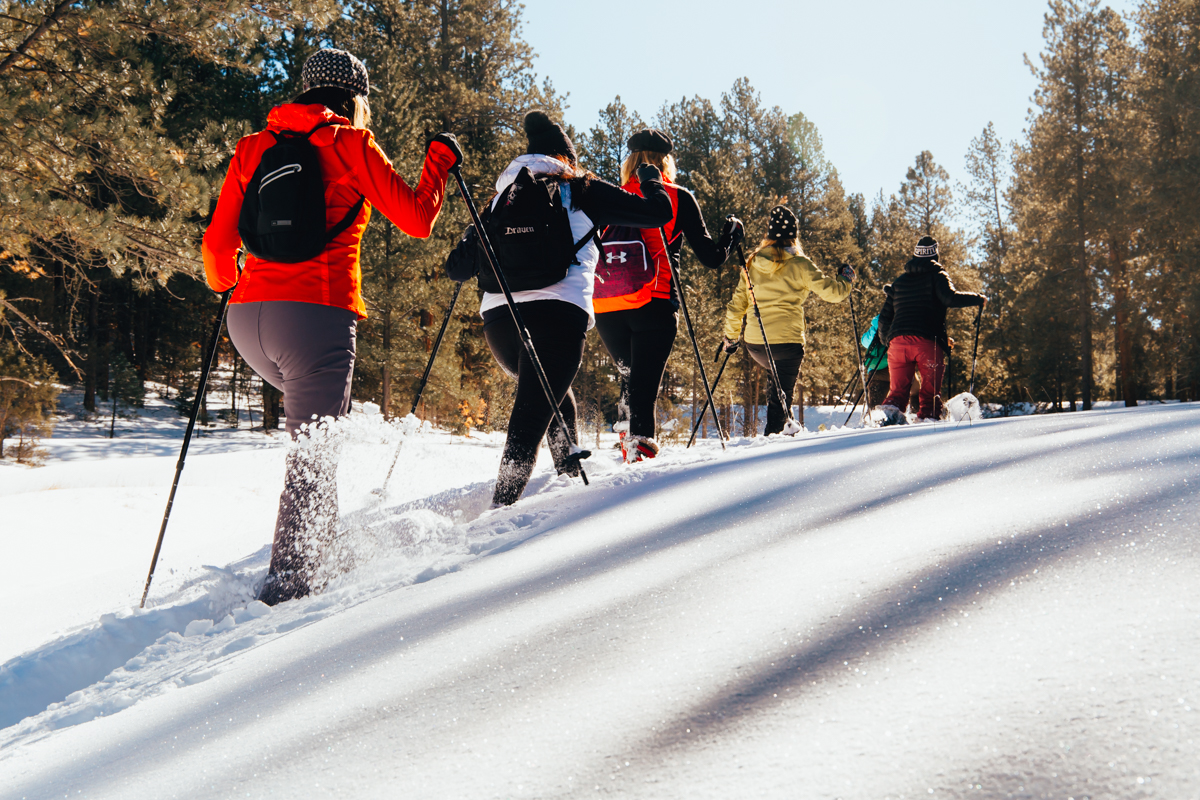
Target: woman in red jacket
295, 323
638, 327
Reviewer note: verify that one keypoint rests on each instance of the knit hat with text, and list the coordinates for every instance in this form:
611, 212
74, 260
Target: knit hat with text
782, 224
926, 248
337, 69
546, 137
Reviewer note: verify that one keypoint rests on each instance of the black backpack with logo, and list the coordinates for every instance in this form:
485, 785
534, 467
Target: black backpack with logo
283, 211
530, 231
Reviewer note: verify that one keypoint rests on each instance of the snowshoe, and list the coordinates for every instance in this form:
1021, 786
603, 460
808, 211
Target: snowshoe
639, 448
622, 430
892, 416
791, 428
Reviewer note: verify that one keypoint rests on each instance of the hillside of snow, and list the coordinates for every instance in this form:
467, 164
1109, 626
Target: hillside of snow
1009, 608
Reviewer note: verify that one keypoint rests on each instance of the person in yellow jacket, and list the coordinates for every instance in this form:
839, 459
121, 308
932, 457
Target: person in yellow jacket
783, 279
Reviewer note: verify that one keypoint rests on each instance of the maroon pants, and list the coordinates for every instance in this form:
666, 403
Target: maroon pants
906, 355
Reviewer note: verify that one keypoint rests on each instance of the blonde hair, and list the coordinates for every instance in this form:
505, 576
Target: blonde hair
664, 161
782, 244
362, 112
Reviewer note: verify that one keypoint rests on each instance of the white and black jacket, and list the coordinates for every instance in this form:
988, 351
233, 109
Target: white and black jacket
590, 202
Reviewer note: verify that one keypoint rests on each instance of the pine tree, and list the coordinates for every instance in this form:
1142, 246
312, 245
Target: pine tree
27, 398
985, 201
1167, 102
1058, 184
124, 388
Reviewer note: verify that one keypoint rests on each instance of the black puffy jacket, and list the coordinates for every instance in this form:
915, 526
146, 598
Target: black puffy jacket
917, 301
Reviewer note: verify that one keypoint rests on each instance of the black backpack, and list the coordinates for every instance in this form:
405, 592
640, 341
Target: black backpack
530, 231
283, 211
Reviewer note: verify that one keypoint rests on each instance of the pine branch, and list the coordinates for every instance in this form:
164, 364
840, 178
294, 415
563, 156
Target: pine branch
57, 341
59, 11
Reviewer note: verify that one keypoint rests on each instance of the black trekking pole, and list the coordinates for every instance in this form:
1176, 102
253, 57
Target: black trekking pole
845, 391
436, 345
862, 393
787, 408
716, 380
692, 334
578, 454
975, 350
187, 437
382, 492
862, 374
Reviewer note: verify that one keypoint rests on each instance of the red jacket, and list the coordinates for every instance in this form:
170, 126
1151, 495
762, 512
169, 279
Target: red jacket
352, 166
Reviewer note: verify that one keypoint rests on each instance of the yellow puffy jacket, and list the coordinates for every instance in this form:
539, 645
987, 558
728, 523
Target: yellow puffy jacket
783, 280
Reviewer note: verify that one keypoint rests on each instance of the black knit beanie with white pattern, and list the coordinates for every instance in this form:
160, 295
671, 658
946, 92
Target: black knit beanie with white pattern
336, 69
782, 224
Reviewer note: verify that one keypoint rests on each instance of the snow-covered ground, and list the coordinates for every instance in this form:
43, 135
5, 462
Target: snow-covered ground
1009, 608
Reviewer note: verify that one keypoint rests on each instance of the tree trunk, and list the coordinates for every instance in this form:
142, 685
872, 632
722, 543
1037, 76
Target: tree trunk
1085, 293
271, 398
1124, 341
112, 425
800, 397
387, 369
93, 357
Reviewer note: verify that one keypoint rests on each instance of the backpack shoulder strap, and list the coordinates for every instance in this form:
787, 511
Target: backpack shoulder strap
324, 124
352, 214
347, 220
594, 233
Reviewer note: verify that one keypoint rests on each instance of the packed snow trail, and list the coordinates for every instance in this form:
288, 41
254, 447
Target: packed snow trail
1001, 609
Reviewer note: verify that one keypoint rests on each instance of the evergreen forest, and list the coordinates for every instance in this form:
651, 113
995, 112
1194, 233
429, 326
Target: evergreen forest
118, 120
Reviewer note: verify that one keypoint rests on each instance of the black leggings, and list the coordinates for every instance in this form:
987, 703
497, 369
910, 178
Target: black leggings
639, 341
788, 357
557, 329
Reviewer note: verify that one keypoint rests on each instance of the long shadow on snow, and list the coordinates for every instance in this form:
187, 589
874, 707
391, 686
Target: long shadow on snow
480, 603
477, 604
926, 599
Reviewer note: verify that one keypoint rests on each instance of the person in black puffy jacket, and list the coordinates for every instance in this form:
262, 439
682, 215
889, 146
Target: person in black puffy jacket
913, 325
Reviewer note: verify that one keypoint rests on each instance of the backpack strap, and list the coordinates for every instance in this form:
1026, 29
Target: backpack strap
352, 214
347, 221
594, 233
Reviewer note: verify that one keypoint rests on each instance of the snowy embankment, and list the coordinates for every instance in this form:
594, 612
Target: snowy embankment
1008, 608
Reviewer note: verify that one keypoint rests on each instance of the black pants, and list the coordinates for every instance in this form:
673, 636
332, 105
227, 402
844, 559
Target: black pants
639, 341
557, 329
788, 357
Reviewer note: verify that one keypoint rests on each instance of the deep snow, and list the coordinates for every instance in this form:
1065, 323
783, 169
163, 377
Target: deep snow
999, 608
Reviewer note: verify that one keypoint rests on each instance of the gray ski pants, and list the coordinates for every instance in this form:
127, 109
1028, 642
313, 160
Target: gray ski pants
306, 351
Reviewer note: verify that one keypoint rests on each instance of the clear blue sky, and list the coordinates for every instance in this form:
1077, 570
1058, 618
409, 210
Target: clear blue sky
881, 80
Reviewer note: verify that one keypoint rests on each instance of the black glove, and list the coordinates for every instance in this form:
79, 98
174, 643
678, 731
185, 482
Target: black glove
463, 262
732, 233
449, 141
729, 345
846, 272
647, 173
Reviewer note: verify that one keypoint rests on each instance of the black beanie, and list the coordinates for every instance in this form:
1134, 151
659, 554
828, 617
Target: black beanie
926, 248
782, 224
546, 138
650, 140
